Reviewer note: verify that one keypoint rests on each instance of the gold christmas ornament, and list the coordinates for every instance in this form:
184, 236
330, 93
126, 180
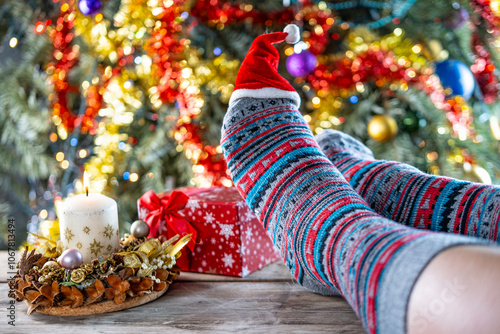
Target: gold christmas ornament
382, 128
78, 275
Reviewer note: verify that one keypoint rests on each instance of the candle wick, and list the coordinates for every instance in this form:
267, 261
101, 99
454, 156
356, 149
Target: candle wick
87, 191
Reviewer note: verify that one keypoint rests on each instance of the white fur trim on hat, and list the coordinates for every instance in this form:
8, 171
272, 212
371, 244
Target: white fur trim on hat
265, 93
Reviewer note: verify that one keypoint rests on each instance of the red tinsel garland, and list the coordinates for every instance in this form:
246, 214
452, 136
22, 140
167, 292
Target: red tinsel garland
214, 12
483, 69
222, 13
165, 48
483, 9
65, 59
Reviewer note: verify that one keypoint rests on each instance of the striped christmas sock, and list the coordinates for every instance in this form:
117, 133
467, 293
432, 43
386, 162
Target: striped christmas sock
404, 194
328, 236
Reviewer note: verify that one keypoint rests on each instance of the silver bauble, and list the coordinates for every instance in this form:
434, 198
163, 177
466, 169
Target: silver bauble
139, 229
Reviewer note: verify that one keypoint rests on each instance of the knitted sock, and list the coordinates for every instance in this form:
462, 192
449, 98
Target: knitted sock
404, 194
328, 236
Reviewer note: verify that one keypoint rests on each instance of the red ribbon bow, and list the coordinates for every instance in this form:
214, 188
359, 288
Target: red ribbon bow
167, 208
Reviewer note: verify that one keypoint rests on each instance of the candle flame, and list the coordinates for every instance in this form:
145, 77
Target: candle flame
86, 182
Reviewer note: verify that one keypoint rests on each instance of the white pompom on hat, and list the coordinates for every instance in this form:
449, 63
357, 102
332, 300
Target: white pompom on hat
293, 32
258, 76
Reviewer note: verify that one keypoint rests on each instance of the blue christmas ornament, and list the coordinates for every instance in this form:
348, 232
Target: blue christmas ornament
456, 76
89, 7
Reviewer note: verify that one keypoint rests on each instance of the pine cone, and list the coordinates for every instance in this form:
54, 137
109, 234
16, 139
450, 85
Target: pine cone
126, 273
27, 261
117, 290
96, 293
162, 275
41, 261
52, 293
22, 287
139, 286
72, 296
36, 299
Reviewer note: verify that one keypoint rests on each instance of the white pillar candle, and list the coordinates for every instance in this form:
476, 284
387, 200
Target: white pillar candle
89, 223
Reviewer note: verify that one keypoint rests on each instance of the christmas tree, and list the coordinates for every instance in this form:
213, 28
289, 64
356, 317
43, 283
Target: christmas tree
134, 91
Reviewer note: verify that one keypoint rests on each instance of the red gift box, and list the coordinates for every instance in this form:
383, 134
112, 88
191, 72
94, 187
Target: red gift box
230, 240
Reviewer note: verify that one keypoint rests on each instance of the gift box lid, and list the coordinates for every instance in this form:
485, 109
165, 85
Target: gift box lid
218, 205
213, 195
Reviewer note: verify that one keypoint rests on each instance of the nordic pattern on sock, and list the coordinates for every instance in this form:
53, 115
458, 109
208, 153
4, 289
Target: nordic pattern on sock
324, 231
405, 194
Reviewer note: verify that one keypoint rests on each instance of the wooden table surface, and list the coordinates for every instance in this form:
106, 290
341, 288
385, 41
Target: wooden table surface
266, 301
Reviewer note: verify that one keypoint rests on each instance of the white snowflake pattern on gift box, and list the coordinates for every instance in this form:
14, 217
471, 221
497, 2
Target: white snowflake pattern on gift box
226, 230
248, 216
192, 205
241, 205
228, 260
249, 233
209, 218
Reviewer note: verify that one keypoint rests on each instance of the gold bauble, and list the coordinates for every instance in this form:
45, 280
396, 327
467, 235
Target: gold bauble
382, 128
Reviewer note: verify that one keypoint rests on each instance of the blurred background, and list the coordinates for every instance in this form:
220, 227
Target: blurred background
134, 91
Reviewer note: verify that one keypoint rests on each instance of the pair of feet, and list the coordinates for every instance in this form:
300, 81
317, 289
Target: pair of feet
326, 229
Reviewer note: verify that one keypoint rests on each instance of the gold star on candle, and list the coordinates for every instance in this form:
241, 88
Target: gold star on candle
68, 235
79, 245
109, 248
86, 230
108, 231
95, 248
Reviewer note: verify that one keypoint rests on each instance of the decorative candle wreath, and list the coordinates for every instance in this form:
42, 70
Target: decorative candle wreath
140, 272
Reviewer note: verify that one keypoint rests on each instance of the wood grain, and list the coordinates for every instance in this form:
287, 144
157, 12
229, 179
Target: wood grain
253, 307
275, 272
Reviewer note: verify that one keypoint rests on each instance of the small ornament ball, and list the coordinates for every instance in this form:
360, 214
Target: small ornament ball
70, 259
293, 32
51, 264
457, 76
301, 64
457, 19
139, 229
382, 128
89, 7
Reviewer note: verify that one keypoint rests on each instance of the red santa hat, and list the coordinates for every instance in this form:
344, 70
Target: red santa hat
258, 76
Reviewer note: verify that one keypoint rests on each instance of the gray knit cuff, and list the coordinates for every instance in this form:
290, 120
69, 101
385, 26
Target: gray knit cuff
400, 275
